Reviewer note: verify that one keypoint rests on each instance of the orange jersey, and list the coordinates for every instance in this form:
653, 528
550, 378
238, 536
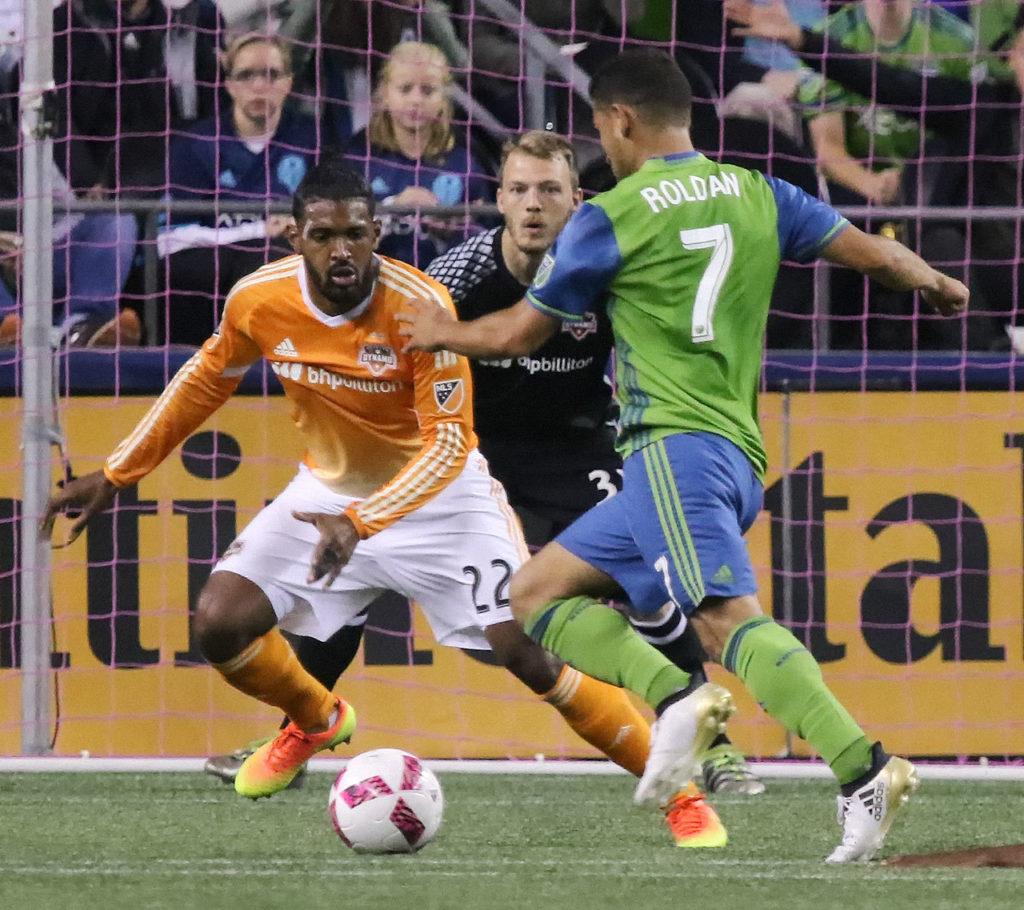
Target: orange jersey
389, 428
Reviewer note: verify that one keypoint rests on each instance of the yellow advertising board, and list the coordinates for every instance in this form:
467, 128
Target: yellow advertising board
891, 544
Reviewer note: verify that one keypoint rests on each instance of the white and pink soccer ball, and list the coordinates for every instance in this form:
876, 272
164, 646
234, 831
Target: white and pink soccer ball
386, 801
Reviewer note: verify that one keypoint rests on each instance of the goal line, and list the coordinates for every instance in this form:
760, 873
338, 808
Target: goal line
794, 770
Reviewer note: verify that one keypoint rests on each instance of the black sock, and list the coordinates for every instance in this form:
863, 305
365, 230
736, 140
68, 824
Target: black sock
678, 641
879, 757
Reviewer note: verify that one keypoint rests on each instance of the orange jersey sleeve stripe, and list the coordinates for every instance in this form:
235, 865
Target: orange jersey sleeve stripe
127, 445
421, 480
446, 441
411, 284
204, 382
193, 395
270, 272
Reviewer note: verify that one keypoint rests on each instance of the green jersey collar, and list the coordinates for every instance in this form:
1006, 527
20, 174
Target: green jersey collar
675, 156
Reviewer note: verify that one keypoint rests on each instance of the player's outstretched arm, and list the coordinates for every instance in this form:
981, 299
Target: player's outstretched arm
201, 386
512, 332
894, 266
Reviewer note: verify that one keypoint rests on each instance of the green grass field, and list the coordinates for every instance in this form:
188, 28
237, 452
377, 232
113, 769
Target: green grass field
185, 841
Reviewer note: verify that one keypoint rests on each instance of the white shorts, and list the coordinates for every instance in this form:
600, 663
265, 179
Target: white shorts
453, 556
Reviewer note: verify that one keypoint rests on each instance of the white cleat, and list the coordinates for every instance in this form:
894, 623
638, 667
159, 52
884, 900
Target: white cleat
679, 739
867, 815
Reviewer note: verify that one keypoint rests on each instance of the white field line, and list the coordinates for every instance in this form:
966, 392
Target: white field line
370, 867
794, 770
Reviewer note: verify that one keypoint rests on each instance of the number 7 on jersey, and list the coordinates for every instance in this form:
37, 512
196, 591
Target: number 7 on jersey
717, 237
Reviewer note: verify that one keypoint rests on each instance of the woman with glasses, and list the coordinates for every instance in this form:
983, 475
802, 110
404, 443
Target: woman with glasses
257, 149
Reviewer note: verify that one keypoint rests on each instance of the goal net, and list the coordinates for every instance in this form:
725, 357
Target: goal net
891, 539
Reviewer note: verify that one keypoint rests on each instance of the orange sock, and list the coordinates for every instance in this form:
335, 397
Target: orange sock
604, 716
269, 671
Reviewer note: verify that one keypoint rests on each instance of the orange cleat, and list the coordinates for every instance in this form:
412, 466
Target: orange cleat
274, 765
693, 822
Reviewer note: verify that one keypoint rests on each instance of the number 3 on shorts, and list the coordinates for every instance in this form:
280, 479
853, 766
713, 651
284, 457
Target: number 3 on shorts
603, 481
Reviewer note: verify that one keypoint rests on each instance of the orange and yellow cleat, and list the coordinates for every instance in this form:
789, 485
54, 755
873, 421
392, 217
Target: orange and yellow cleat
693, 822
274, 765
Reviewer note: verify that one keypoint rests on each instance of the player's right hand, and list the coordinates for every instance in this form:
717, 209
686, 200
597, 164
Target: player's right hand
338, 539
759, 20
87, 496
949, 297
423, 324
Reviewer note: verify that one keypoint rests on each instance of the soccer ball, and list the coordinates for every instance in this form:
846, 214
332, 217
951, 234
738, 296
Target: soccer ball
386, 801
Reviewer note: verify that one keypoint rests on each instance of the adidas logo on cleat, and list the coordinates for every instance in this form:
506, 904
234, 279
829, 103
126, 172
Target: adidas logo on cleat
286, 349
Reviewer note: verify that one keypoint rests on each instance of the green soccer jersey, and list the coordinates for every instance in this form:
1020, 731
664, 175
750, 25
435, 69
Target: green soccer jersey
996, 23
684, 254
936, 43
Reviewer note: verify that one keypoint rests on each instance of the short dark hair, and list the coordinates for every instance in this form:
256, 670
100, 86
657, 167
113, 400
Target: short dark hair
331, 179
648, 80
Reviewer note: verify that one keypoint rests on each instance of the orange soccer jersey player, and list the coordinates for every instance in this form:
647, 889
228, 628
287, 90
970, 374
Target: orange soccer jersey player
392, 494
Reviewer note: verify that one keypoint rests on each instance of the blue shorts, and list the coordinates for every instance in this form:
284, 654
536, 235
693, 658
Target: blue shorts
676, 529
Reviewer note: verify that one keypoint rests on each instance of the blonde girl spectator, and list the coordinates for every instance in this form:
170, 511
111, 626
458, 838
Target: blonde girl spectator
412, 155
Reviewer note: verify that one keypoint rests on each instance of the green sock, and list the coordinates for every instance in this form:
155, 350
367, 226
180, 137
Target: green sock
786, 680
599, 641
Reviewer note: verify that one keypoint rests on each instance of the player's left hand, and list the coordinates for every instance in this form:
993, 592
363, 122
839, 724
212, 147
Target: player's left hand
423, 323
338, 539
85, 497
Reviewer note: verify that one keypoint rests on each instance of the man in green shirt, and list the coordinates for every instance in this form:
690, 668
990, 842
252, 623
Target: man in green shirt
861, 145
683, 254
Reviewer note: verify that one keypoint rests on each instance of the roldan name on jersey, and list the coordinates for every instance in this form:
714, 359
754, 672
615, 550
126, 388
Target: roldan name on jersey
675, 191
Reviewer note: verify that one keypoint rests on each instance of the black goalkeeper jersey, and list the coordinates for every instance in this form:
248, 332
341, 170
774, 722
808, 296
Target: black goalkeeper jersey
552, 394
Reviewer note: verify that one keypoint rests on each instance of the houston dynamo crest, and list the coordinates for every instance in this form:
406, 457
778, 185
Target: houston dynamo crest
377, 356
581, 329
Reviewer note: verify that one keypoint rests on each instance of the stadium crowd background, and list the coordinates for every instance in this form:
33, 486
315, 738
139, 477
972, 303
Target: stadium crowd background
227, 104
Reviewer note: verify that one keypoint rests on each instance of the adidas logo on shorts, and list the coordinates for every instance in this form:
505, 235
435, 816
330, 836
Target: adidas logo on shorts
723, 576
286, 349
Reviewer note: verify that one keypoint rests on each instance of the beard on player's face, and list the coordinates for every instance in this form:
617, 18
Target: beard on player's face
533, 233
336, 239
325, 279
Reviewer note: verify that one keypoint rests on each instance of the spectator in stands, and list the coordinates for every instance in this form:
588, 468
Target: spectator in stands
119, 94
413, 157
192, 47
589, 30
258, 149
861, 145
963, 121
91, 256
354, 41
705, 40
